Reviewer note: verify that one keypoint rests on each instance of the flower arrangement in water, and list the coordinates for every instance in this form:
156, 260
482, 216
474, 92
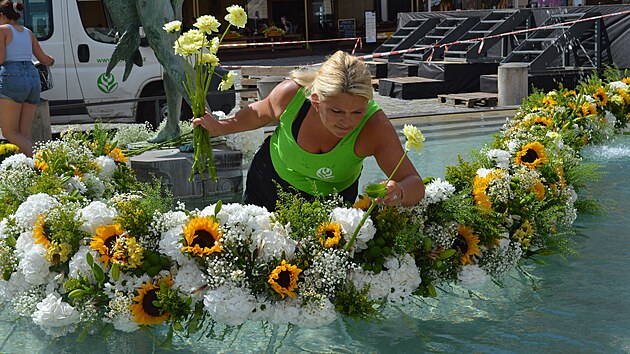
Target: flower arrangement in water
200, 53
80, 252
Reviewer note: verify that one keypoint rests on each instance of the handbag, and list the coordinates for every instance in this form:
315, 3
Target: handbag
45, 76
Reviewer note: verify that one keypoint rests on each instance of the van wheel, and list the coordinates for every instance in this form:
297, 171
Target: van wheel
147, 111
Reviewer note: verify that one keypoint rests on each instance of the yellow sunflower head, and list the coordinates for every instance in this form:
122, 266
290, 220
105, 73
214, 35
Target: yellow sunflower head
467, 243
601, 97
284, 279
544, 120
143, 309
39, 233
105, 240
539, 190
363, 203
532, 155
202, 236
480, 185
587, 109
329, 234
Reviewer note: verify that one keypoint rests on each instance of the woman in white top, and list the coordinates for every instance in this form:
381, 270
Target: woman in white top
19, 80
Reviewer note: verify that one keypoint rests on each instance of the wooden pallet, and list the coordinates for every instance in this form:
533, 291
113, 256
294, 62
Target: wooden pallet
470, 100
250, 75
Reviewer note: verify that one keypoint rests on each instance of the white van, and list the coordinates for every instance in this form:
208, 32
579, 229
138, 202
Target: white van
79, 35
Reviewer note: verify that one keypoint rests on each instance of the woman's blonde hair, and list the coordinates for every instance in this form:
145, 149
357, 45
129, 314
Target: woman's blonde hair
341, 73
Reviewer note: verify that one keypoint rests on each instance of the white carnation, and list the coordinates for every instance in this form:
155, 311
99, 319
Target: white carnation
27, 212
107, 166
349, 220
53, 314
438, 191
501, 157
229, 304
188, 279
96, 214
78, 264
272, 242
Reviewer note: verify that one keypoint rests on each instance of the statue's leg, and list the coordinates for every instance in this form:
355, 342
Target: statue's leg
153, 15
126, 20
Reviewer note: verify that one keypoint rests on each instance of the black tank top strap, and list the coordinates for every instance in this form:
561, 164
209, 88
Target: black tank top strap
299, 118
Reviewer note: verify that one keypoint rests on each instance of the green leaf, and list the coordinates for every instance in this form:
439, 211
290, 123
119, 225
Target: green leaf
447, 254
178, 326
11, 242
89, 259
376, 190
217, 208
156, 303
77, 293
432, 291
115, 270
98, 273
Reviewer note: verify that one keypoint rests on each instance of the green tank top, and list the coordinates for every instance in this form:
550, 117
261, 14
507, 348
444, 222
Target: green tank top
312, 173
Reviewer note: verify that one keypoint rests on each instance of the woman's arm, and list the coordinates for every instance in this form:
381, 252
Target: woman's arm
406, 186
255, 115
39, 53
3, 44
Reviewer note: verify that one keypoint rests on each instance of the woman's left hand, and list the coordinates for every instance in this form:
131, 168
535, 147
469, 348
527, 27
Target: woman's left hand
394, 194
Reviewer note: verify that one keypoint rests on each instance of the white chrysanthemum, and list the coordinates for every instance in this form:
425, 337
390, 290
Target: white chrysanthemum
188, 279
501, 157
107, 166
285, 312
483, 172
95, 187
228, 81
395, 284
27, 212
207, 23
78, 264
209, 59
75, 184
96, 214
229, 304
349, 220
34, 265
616, 85
471, 275
171, 244
236, 16
438, 191
15, 285
272, 242
17, 161
54, 314
415, 139
172, 27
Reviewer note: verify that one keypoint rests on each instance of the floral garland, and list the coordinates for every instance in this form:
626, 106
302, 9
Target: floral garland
82, 246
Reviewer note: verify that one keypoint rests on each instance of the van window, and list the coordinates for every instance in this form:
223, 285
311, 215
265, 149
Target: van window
37, 16
95, 20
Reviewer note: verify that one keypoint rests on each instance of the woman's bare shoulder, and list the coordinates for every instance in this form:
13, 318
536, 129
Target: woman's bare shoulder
282, 94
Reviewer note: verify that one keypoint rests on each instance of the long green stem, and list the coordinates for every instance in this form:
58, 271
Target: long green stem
372, 205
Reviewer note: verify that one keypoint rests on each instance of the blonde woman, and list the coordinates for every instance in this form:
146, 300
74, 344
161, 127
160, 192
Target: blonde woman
327, 124
19, 79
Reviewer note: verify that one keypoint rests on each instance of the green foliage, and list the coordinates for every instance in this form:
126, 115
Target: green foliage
354, 303
136, 214
305, 216
579, 176
462, 174
395, 227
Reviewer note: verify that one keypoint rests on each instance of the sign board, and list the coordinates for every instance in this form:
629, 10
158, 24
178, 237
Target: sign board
347, 28
370, 27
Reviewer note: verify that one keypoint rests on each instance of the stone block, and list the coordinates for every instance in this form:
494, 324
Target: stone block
173, 167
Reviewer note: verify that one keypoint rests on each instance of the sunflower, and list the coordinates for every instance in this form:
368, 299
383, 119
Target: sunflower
203, 236
143, 309
480, 185
284, 279
601, 97
363, 203
539, 190
531, 155
466, 243
549, 102
329, 234
546, 121
40, 164
105, 240
587, 109
39, 233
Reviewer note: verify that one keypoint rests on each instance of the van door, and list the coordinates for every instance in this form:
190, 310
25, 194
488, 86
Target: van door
92, 41
47, 20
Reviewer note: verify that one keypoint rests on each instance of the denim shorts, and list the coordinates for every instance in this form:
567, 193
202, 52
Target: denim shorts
19, 81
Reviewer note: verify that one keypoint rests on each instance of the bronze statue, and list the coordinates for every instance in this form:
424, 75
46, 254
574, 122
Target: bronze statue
128, 16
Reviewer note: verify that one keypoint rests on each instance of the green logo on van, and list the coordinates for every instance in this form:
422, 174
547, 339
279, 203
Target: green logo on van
106, 83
